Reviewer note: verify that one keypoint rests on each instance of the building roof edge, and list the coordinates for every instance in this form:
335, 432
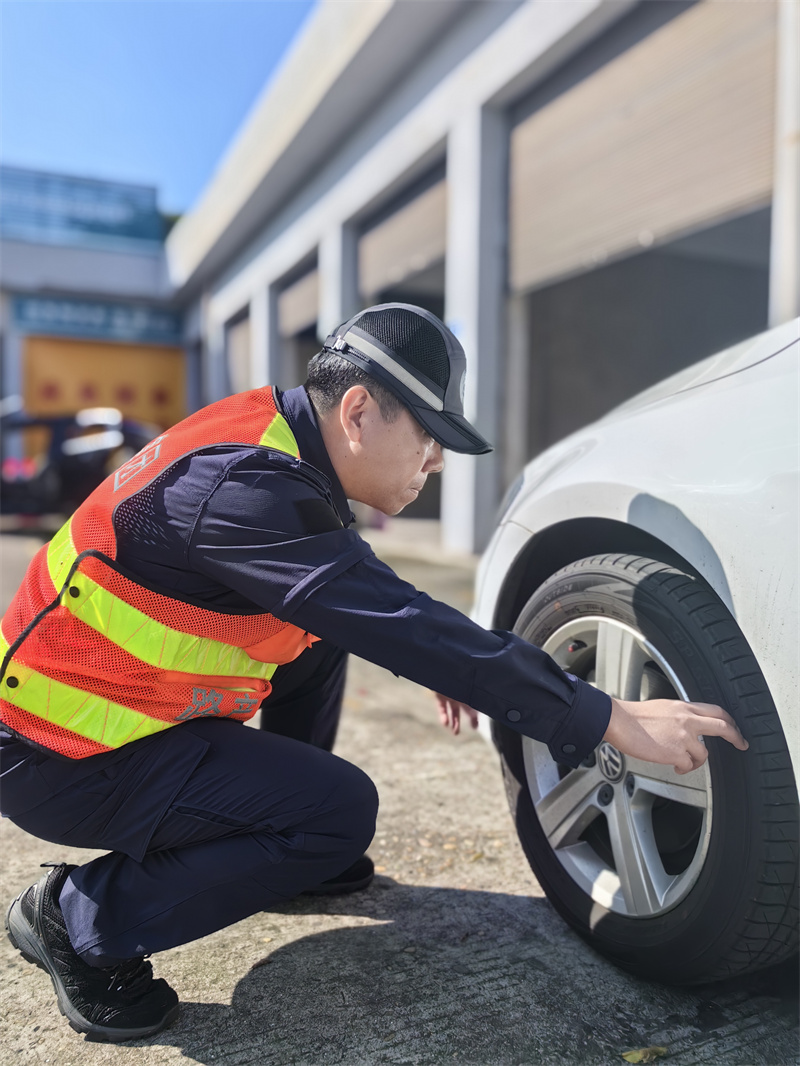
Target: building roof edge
345, 59
328, 42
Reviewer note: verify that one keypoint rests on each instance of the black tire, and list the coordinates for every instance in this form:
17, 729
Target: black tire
741, 911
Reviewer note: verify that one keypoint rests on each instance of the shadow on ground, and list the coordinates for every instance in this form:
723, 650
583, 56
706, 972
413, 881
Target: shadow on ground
433, 975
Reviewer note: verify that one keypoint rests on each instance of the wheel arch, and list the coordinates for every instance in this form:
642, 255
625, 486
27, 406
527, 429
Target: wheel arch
556, 546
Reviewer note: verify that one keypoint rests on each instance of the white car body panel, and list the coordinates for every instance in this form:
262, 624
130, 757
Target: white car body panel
707, 461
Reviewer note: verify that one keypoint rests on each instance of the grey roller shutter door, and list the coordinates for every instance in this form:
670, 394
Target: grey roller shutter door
674, 134
298, 305
410, 240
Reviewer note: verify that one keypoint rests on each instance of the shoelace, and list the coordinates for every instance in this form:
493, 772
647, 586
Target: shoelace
133, 976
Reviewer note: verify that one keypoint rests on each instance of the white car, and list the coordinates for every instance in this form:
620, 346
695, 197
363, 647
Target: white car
655, 554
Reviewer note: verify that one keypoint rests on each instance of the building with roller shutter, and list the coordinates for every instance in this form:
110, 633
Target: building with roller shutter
593, 194
86, 307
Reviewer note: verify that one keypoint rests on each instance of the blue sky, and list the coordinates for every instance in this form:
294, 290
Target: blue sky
147, 91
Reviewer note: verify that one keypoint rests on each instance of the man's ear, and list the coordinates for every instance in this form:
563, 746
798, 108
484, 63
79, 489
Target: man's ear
354, 406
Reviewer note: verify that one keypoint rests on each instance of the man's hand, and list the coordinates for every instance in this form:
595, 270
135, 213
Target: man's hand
669, 731
450, 713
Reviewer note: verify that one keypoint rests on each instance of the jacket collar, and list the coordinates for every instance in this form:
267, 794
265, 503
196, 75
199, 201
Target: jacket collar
298, 412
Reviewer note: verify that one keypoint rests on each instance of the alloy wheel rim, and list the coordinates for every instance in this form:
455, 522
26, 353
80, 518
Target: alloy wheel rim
632, 835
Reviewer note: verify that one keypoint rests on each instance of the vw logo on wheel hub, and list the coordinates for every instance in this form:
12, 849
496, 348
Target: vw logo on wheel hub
610, 761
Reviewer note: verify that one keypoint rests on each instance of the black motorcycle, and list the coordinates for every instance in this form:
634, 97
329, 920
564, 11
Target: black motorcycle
81, 450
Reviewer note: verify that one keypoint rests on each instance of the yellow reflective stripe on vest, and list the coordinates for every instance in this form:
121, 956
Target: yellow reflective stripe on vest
140, 635
61, 555
279, 436
84, 713
154, 643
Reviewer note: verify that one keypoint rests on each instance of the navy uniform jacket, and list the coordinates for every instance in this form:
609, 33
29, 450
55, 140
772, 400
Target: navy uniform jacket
240, 529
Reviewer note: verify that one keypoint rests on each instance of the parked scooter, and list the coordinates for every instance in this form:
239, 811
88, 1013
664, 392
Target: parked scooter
82, 450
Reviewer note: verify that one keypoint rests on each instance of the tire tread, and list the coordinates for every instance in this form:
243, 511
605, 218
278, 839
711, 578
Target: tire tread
767, 932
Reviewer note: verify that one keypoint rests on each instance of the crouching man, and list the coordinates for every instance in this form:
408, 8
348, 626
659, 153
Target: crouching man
214, 574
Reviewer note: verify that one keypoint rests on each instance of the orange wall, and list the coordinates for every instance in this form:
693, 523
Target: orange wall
145, 382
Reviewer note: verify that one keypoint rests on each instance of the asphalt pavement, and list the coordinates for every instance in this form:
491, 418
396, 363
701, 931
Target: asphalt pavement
453, 955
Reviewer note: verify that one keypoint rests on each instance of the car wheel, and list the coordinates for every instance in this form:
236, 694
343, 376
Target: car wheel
682, 878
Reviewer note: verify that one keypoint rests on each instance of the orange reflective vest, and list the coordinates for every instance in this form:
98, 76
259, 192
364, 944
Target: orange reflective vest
92, 660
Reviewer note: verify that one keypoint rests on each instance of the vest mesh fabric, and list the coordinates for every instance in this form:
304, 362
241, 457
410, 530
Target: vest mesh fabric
35, 592
190, 660
49, 735
135, 515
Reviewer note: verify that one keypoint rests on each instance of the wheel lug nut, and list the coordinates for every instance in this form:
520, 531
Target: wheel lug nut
605, 795
630, 784
590, 760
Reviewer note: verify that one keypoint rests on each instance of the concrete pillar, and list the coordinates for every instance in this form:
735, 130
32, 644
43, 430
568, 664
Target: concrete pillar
266, 347
215, 368
13, 343
784, 268
193, 352
477, 166
516, 401
338, 278
13, 348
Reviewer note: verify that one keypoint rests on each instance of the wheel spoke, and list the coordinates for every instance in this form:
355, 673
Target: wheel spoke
642, 877
620, 662
570, 806
690, 789
646, 806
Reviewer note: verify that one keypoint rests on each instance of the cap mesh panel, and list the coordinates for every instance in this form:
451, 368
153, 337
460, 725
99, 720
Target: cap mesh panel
413, 338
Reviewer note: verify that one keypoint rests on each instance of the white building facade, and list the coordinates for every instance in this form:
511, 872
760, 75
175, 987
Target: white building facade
592, 194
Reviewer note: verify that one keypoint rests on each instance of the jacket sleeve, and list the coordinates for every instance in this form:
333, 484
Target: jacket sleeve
331, 584
370, 611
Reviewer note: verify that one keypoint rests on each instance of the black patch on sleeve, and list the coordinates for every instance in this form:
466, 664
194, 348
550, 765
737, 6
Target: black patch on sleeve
317, 516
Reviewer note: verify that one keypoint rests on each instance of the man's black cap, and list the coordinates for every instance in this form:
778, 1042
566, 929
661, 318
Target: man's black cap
413, 354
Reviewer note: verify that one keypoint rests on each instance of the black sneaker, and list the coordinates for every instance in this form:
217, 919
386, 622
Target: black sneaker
353, 879
118, 1003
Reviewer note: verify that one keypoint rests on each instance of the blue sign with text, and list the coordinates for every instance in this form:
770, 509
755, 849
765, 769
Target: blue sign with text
93, 319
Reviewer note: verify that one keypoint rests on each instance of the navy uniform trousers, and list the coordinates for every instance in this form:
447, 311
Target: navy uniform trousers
205, 823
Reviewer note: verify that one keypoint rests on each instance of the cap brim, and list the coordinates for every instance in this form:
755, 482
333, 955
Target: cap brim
451, 431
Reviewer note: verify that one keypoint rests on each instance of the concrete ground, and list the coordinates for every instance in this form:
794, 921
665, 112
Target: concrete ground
452, 956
